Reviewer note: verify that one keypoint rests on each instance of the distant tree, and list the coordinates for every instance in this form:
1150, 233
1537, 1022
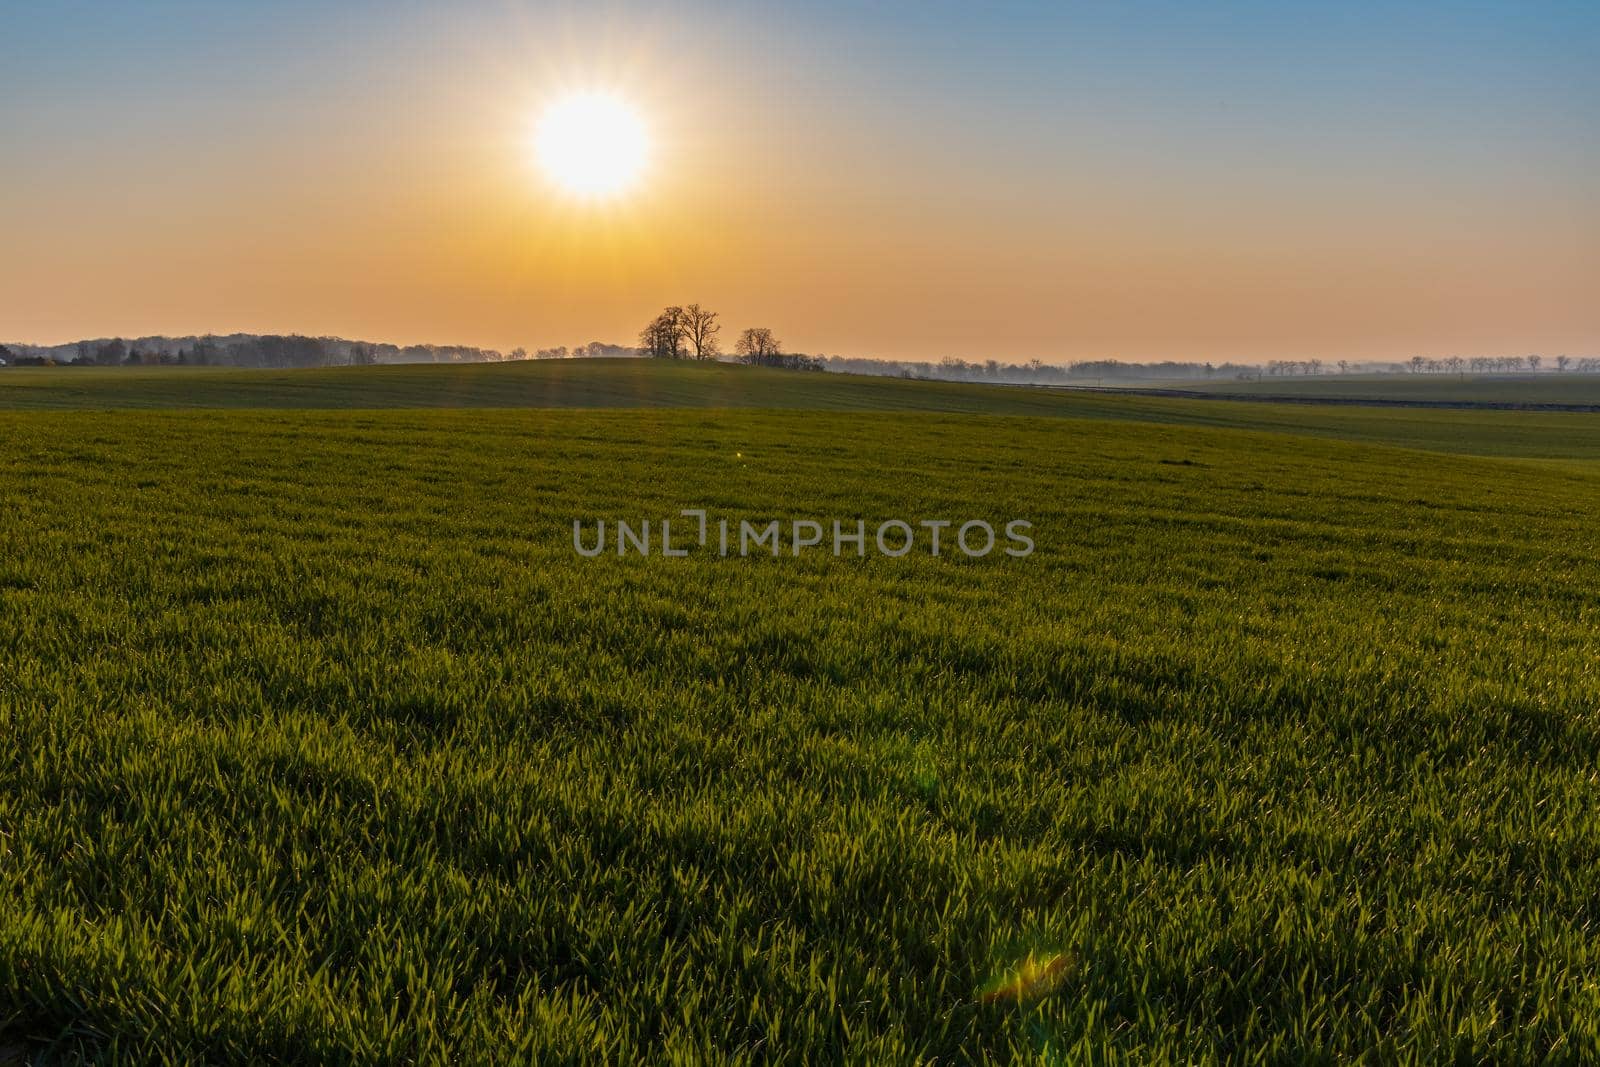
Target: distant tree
1344, 366
700, 329
663, 338
1562, 362
1533, 363
602, 350
112, 353
758, 345
1416, 364
518, 353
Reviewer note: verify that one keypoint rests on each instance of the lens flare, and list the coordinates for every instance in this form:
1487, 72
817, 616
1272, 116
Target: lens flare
1035, 977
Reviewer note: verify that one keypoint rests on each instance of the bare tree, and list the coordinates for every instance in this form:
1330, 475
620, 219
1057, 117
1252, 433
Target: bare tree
664, 337
700, 329
1533, 363
758, 345
1561, 362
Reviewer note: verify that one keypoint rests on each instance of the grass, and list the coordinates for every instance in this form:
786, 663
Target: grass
1568, 388
636, 384
324, 746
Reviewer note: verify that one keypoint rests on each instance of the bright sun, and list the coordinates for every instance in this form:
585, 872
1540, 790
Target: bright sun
592, 144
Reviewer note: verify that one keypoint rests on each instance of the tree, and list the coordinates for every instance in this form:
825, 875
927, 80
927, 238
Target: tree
1416, 364
758, 345
112, 353
1533, 363
664, 337
700, 329
1561, 363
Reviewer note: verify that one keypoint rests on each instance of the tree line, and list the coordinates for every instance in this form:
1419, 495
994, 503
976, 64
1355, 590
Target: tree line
1032, 372
693, 332
1448, 365
239, 350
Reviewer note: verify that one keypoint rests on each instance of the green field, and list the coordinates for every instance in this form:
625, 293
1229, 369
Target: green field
646, 384
322, 745
1565, 389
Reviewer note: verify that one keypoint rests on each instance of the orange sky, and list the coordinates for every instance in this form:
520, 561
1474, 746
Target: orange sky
378, 184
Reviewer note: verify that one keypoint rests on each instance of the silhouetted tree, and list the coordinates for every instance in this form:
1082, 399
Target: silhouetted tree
664, 337
758, 345
111, 353
700, 329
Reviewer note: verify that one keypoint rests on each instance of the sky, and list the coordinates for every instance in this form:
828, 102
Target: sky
1054, 181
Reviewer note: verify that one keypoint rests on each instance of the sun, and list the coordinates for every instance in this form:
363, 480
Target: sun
591, 144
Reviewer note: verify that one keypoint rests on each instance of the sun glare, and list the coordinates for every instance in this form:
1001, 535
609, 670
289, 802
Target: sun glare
591, 144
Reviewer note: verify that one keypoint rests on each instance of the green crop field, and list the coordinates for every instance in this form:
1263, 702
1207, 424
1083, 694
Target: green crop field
645, 384
323, 745
1531, 390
